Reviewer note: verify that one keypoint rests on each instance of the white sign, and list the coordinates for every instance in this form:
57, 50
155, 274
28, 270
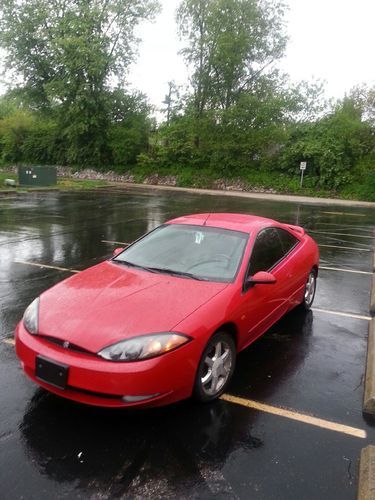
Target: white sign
302, 165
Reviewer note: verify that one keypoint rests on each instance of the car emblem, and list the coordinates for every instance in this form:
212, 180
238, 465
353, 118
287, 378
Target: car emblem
66, 344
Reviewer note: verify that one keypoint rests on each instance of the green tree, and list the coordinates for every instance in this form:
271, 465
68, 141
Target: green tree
364, 98
172, 102
67, 53
130, 127
230, 44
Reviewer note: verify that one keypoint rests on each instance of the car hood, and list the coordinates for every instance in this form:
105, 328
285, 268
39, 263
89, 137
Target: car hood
110, 302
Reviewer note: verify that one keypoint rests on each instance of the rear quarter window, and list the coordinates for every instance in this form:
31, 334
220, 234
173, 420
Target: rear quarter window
288, 241
267, 251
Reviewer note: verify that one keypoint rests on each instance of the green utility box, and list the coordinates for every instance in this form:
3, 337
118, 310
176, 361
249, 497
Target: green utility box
37, 176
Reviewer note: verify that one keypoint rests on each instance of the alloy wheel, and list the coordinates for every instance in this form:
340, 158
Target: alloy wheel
310, 289
216, 367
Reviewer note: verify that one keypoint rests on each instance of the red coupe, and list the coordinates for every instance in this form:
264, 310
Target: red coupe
164, 318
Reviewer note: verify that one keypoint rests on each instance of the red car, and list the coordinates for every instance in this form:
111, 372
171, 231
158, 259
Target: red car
164, 318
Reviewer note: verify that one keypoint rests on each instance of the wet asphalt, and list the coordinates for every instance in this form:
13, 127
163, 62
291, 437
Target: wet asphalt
311, 363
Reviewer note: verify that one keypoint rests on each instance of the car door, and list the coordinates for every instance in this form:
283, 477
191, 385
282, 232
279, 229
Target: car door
295, 280
262, 305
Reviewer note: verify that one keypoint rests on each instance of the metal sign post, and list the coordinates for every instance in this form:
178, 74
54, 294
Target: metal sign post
302, 167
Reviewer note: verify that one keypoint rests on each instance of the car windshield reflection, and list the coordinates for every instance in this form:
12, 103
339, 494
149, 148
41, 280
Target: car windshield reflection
197, 252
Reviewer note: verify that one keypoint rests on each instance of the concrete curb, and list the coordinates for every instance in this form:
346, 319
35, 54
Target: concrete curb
372, 297
369, 396
8, 191
247, 194
28, 190
366, 484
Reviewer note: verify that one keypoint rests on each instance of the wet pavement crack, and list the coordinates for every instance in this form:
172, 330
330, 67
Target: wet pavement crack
350, 475
360, 383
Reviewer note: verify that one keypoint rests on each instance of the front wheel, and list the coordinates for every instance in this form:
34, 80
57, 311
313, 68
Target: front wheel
216, 367
310, 289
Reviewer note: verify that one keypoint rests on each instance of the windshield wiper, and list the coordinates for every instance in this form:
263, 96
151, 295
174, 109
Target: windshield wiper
138, 266
161, 270
177, 273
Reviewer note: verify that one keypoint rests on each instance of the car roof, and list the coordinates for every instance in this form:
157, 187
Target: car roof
237, 222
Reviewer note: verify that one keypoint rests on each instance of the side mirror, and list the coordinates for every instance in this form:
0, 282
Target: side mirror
261, 278
116, 251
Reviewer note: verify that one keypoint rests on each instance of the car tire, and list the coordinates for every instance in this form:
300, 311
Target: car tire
216, 367
310, 289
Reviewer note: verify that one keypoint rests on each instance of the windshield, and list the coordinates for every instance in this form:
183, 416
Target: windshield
199, 252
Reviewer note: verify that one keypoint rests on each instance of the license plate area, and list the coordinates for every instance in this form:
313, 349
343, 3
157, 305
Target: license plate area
51, 372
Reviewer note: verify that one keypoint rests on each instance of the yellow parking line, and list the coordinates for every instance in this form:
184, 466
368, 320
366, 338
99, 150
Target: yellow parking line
339, 313
342, 234
115, 242
36, 264
8, 341
347, 248
344, 270
300, 417
344, 213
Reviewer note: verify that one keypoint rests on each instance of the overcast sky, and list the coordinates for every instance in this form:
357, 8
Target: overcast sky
331, 40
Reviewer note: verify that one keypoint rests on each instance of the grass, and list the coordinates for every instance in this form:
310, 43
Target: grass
68, 184
251, 180
362, 187
6, 175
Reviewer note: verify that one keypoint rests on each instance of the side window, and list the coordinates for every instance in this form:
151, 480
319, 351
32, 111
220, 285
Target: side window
288, 241
267, 251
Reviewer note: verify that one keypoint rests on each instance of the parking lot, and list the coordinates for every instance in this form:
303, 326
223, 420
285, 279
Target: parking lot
289, 427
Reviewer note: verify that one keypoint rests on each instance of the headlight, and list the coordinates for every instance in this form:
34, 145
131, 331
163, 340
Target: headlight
144, 347
30, 317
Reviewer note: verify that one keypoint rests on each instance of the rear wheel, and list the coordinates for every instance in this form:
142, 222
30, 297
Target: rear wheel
216, 367
310, 289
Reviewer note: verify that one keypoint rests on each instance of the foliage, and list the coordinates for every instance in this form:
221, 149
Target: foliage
242, 120
30, 136
364, 98
14, 129
67, 52
243, 137
331, 146
172, 102
229, 45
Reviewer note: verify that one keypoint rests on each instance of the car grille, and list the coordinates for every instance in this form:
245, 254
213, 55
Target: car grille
66, 345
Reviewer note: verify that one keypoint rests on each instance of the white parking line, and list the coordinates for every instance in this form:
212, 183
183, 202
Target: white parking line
345, 315
293, 415
342, 234
46, 266
115, 242
344, 270
341, 241
347, 248
345, 226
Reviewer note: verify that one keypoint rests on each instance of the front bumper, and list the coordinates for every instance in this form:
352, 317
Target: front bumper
94, 381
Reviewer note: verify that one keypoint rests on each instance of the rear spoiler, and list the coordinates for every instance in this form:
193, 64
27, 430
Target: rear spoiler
297, 229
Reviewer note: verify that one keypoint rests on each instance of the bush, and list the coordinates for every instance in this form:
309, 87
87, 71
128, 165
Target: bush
332, 147
127, 141
41, 145
14, 130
